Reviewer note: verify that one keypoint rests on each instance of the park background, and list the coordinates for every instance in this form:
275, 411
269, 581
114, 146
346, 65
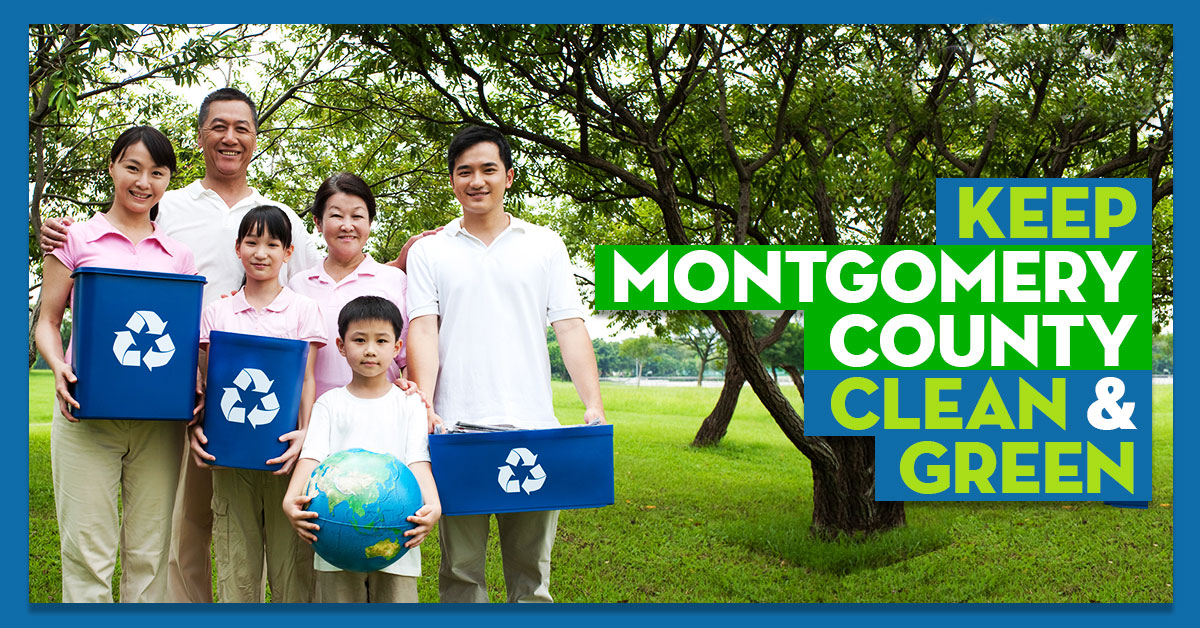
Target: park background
868, 208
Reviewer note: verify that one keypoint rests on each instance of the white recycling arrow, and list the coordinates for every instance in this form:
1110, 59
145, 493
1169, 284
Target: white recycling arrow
537, 477
154, 324
121, 349
527, 458
228, 400
166, 349
507, 482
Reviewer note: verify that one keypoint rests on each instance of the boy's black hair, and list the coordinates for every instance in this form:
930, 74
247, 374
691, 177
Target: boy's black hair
156, 144
369, 308
269, 219
346, 183
225, 93
472, 135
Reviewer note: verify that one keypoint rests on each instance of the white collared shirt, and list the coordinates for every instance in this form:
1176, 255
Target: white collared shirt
494, 303
199, 218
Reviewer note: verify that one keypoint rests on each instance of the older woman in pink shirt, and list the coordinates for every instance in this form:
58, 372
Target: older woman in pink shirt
344, 209
94, 461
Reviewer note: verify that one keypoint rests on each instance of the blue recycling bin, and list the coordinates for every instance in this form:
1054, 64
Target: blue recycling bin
548, 469
135, 342
252, 397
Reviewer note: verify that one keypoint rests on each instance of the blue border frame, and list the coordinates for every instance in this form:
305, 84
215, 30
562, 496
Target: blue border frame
13, 447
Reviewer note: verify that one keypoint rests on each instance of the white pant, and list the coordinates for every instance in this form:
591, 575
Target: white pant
526, 540
93, 462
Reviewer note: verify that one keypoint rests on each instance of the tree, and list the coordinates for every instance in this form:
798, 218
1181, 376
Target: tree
796, 135
608, 357
640, 350
1163, 352
695, 332
787, 353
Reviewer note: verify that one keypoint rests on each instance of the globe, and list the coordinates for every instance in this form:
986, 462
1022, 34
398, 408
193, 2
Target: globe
362, 500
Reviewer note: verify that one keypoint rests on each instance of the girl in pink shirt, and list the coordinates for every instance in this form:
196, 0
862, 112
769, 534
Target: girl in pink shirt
248, 520
94, 461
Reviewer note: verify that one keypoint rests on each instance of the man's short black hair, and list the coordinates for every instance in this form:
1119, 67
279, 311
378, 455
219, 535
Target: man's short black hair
225, 93
472, 135
369, 308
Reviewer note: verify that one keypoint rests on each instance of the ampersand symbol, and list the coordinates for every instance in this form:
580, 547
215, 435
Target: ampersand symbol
1108, 392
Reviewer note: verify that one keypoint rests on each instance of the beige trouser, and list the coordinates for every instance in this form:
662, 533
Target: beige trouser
356, 586
526, 539
248, 525
189, 573
92, 463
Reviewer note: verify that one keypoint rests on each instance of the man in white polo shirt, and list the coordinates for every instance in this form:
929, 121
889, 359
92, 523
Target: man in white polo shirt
205, 216
480, 294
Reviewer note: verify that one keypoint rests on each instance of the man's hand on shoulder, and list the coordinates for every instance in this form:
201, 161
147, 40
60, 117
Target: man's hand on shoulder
54, 233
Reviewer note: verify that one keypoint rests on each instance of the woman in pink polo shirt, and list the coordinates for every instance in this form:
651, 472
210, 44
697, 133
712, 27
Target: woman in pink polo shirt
343, 210
94, 461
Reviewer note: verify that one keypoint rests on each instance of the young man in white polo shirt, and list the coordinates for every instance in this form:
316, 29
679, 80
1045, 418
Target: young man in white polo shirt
480, 295
205, 216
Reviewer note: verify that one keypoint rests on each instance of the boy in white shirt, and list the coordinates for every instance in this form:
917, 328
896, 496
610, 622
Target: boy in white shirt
369, 413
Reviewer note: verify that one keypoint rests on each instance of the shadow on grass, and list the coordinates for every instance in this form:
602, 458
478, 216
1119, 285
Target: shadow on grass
791, 542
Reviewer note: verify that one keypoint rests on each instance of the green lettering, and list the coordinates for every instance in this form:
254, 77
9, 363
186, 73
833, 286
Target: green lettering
837, 403
970, 212
940, 472
964, 475
1011, 472
1106, 221
1018, 216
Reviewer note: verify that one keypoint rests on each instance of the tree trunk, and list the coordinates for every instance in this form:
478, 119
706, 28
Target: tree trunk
797, 379
700, 377
844, 495
712, 430
34, 313
843, 467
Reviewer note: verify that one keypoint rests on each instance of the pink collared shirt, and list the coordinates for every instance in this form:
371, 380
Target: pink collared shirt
96, 242
370, 279
290, 315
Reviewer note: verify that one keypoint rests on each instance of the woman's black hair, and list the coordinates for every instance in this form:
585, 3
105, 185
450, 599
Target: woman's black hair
267, 219
346, 183
156, 144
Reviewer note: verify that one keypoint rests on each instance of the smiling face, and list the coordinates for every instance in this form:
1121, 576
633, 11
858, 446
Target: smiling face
346, 225
262, 256
480, 179
228, 139
369, 346
138, 183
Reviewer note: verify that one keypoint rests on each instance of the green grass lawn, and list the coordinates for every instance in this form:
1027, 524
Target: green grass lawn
730, 524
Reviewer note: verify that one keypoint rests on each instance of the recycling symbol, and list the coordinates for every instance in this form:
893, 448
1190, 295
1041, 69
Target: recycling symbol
521, 457
263, 412
125, 346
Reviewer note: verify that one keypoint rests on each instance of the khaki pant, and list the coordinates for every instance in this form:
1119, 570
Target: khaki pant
189, 573
356, 586
248, 526
526, 539
93, 462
